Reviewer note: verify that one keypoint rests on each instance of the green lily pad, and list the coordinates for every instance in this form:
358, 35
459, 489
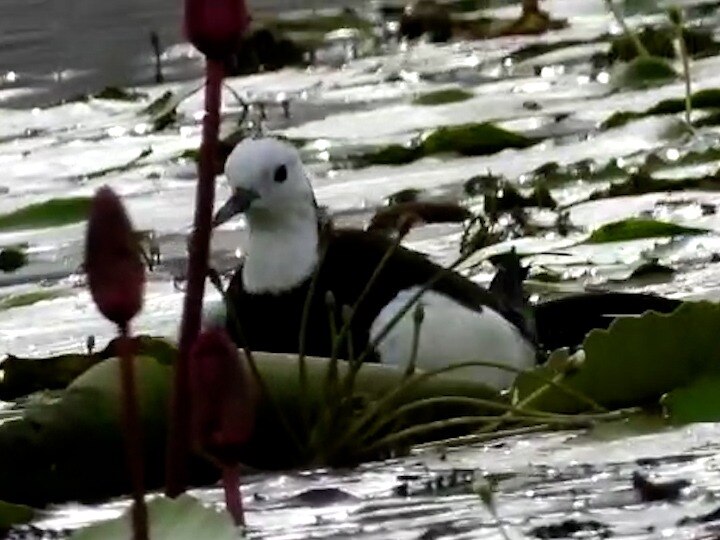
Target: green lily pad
184, 518
466, 139
14, 514
642, 182
51, 213
637, 228
27, 299
473, 140
699, 401
116, 93
393, 154
706, 99
637, 360
644, 71
12, 259
659, 43
442, 97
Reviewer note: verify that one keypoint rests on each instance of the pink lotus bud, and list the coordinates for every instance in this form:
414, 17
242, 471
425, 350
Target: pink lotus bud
113, 262
223, 397
215, 27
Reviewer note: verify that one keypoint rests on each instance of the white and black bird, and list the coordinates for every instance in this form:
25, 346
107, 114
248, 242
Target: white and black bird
462, 321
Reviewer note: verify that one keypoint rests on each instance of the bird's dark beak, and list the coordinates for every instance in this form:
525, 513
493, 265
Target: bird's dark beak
239, 202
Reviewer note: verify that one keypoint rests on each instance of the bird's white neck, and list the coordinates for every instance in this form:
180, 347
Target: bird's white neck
282, 249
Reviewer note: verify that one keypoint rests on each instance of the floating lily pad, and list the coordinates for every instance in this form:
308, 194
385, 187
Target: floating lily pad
27, 299
12, 259
14, 514
699, 401
442, 97
51, 213
466, 139
393, 154
637, 228
706, 99
638, 359
643, 72
473, 140
659, 42
641, 182
119, 94
183, 518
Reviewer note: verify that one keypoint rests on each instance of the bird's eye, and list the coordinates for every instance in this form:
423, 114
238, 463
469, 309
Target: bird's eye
281, 174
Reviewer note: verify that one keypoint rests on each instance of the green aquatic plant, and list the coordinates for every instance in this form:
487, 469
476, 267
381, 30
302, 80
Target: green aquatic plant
637, 228
442, 97
616, 362
11, 301
51, 213
14, 514
708, 99
116, 93
644, 72
473, 140
477, 139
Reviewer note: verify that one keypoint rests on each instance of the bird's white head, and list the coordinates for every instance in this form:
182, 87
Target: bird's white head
270, 186
266, 177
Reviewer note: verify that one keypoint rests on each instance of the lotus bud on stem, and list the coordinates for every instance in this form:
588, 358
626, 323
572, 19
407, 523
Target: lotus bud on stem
116, 277
215, 28
223, 396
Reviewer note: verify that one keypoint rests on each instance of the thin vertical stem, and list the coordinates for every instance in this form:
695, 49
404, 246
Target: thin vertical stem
179, 429
133, 436
233, 497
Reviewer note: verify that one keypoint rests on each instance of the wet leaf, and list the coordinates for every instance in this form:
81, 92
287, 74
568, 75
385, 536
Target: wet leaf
466, 139
636, 228
116, 93
638, 359
14, 514
442, 97
51, 213
697, 402
643, 72
27, 299
183, 518
473, 140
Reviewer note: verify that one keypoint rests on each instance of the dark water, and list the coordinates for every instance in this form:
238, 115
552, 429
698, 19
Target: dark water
61, 48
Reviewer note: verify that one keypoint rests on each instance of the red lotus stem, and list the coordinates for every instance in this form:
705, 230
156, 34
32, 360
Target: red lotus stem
179, 429
133, 436
233, 498
223, 397
116, 278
